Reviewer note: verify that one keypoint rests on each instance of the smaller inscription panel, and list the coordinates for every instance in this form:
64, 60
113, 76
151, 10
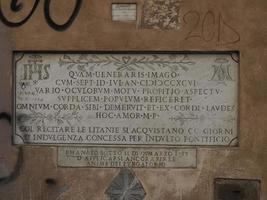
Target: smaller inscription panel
119, 157
124, 12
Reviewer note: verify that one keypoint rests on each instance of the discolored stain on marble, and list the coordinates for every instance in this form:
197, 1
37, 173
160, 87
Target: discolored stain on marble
161, 14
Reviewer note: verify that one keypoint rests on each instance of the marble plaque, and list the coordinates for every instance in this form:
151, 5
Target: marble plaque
124, 12
126, 99
127, 157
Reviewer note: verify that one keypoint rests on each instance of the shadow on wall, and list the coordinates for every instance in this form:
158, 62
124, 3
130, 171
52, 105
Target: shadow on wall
16, 171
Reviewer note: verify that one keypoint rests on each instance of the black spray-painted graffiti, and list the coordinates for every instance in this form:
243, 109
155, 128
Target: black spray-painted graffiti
16, 6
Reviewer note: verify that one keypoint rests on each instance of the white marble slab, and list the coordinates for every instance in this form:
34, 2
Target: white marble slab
126, 99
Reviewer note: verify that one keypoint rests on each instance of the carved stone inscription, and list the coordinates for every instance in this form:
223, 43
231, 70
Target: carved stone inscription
126, 157
138, 99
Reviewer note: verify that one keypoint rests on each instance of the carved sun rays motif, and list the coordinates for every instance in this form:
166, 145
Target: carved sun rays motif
126, 186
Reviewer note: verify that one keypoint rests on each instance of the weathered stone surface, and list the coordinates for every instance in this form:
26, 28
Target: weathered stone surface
162, 14
94, 30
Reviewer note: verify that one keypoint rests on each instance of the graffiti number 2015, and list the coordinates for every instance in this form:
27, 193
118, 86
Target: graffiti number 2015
209, 27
